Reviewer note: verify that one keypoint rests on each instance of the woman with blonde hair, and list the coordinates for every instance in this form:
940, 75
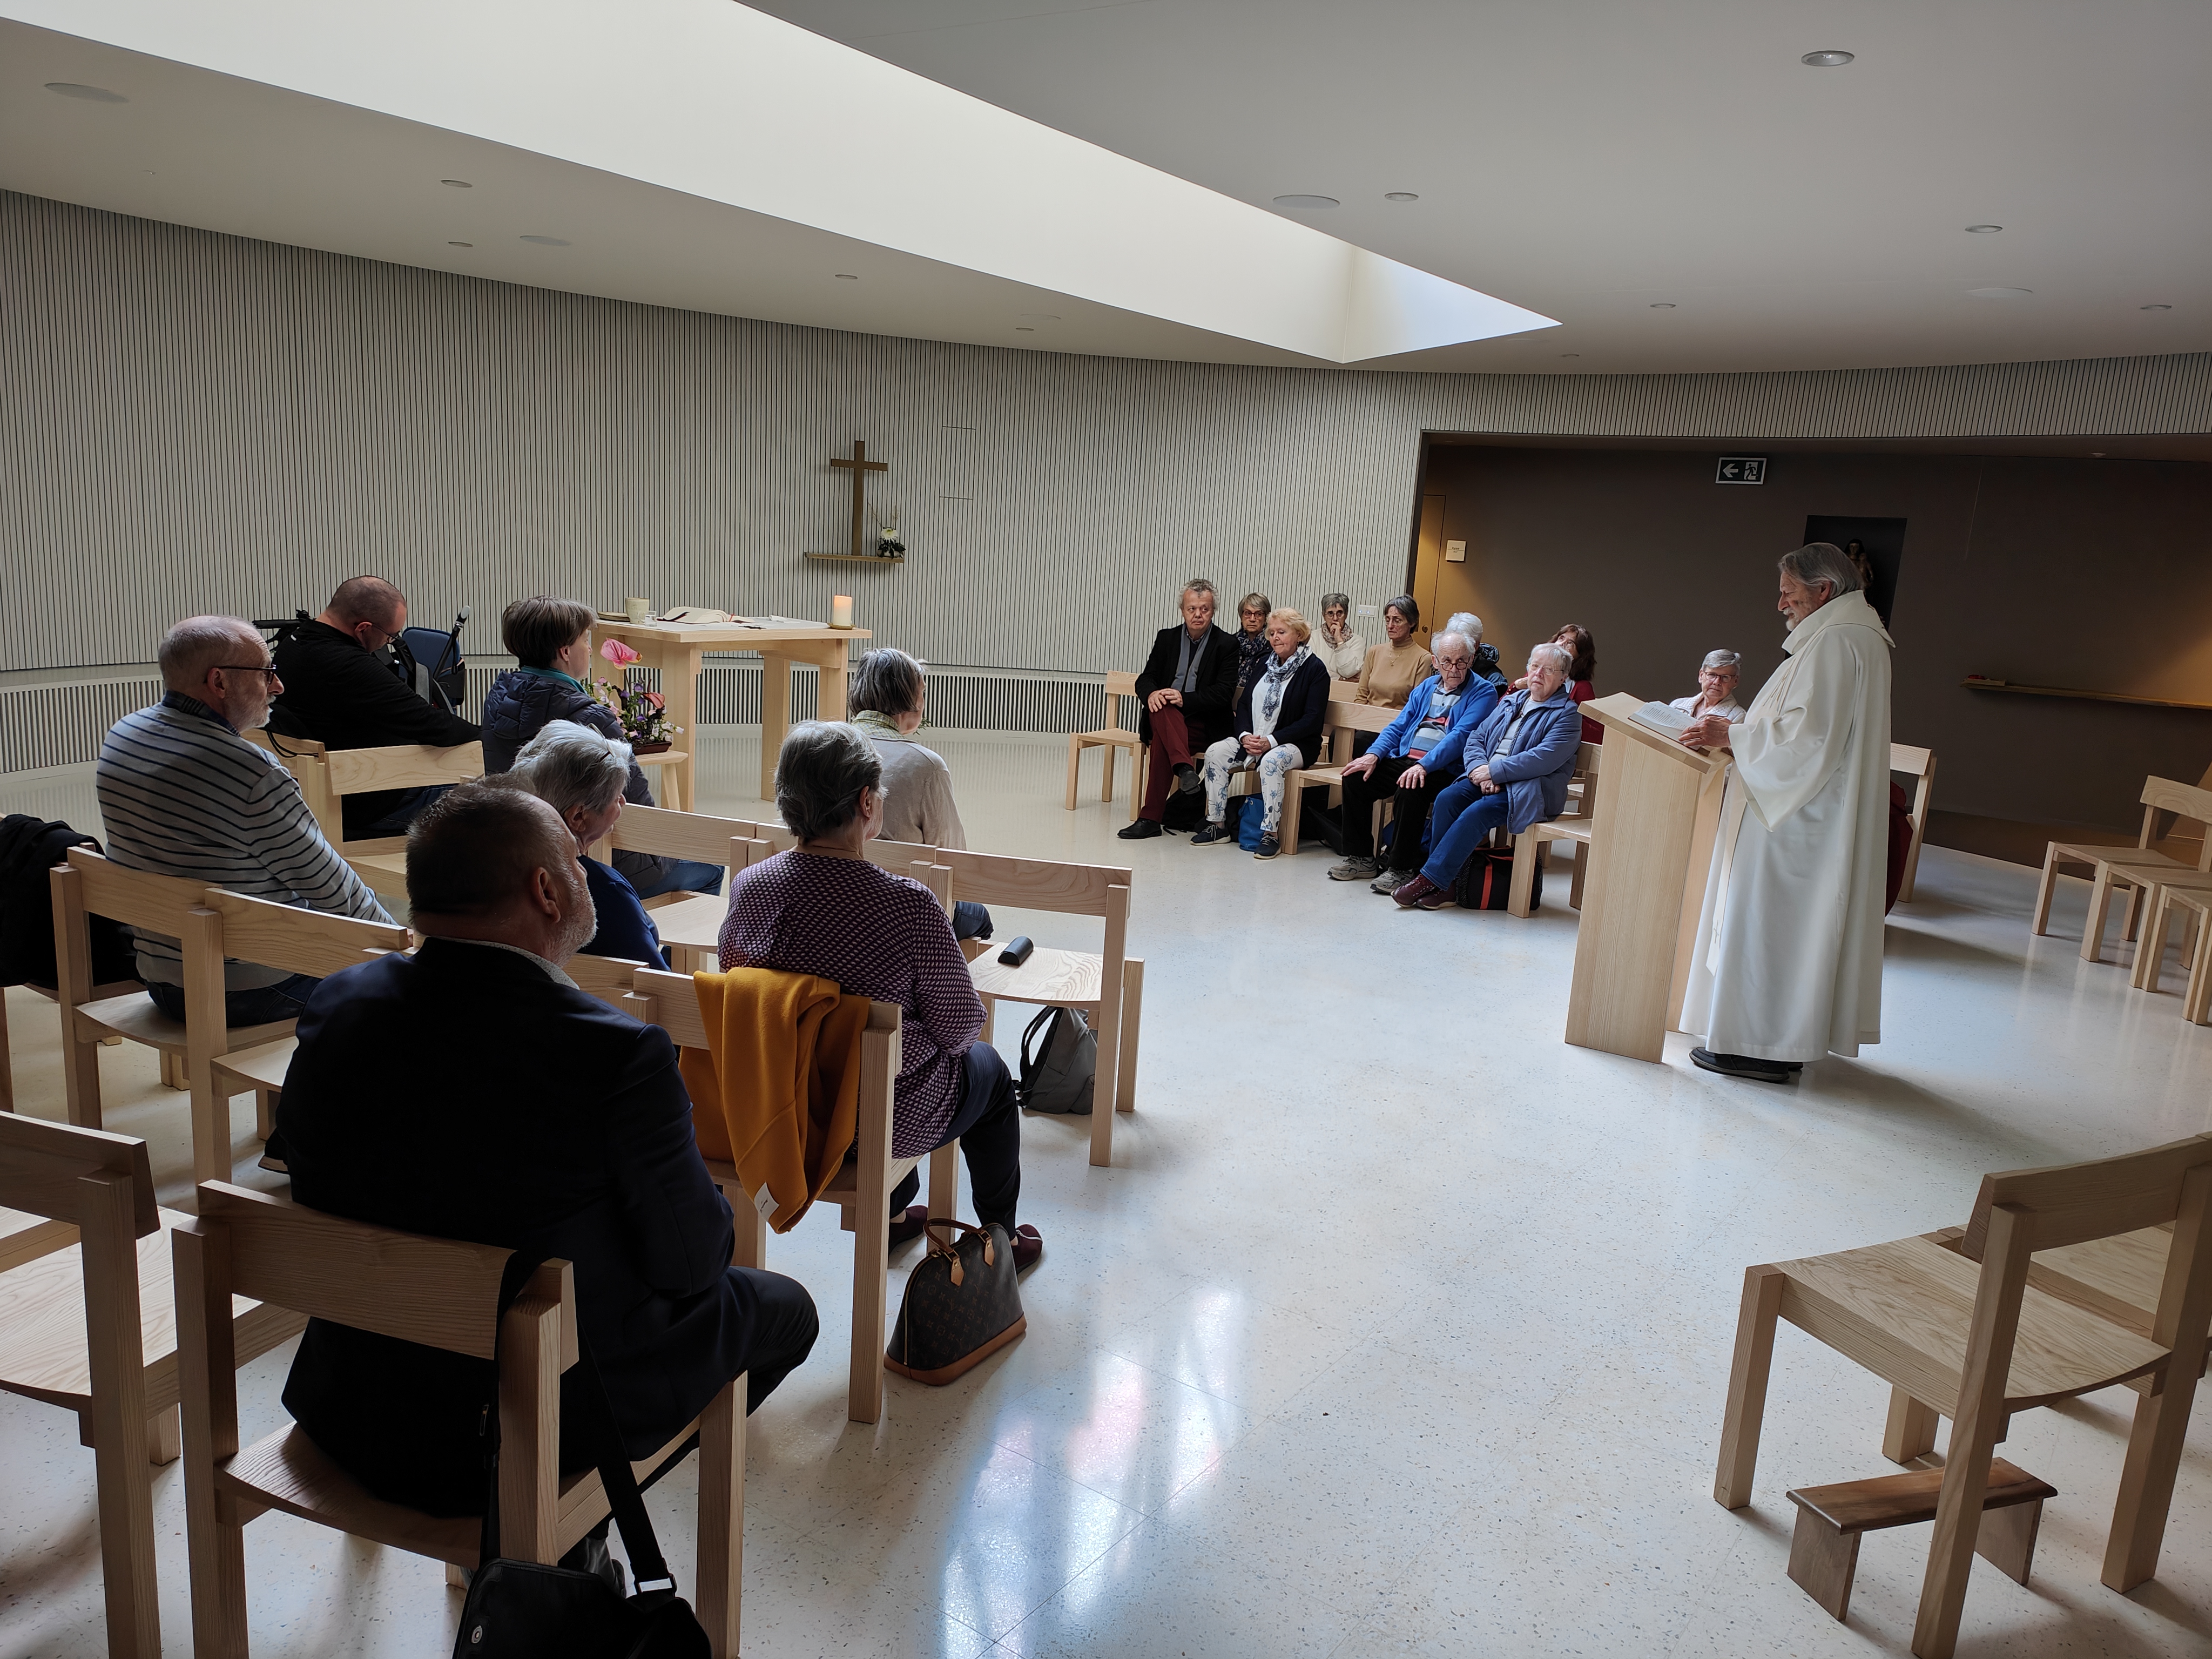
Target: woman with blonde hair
1279, 721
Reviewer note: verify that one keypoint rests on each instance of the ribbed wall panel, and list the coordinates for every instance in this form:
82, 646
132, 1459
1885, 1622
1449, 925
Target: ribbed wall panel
194, 422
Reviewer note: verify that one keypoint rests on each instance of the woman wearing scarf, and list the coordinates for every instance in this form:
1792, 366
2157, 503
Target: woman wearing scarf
887, 699
1252, 612
1342, 651
1279, 721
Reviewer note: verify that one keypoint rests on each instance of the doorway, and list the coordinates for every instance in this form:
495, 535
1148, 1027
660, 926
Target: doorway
1883, 540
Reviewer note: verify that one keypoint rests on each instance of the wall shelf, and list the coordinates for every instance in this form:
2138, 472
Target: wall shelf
857, 558
1977, 683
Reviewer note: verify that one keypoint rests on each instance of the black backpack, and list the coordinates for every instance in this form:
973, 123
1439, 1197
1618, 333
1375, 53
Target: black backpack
29, 848
1486, 881
1058, 1077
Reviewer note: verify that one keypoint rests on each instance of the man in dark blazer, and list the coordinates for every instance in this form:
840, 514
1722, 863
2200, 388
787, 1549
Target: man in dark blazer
471, 1090
1189, 692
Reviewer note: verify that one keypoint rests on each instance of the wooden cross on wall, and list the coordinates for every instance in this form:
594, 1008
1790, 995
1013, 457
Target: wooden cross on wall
860, 466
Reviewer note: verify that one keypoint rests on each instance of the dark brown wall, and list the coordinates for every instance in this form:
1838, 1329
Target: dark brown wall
2091, 575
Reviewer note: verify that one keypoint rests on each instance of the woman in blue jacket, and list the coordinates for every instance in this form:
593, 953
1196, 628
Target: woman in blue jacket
1517, 763
579, 773
1279, 721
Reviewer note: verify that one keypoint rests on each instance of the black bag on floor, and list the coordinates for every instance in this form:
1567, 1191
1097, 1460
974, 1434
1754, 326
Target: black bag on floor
1060, 1063
524, 1609
30, 847
1181, 811
1486, 882
962, 1305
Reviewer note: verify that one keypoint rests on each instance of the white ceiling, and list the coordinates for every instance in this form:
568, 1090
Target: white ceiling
1589, 158
1586, 161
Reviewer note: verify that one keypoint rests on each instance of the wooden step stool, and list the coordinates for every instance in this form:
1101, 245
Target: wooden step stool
1824, 1554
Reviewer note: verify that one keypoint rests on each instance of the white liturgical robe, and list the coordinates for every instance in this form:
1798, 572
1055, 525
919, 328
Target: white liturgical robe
1788, 960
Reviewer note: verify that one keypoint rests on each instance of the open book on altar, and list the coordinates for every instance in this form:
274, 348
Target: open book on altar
1663, 718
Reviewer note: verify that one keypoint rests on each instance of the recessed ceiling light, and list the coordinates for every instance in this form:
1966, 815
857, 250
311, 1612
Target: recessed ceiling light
2096, 454
847, 276
1662, 305
1039, 317
1984, 230
460, 245
457, 184
90, 94
2157, 308
547, 242
1400, 196
1306, 202
1826, 60
1999, 293
1571, 353
1018, 329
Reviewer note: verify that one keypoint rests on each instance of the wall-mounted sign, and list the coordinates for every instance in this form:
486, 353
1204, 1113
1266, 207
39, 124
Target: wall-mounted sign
1740, 469
1454, 552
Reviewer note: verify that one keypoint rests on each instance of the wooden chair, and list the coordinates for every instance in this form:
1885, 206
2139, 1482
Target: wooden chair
2193, 905
1340, 726
327, 776
1108, 984
88, 1323
1533, 844
669, 835
861, 1190
89, 885
1919, 764
300, 942
441, 1292
1112, 738
2124, 867
1979, 1345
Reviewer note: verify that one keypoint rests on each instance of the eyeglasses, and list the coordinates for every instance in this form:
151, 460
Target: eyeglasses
268, 673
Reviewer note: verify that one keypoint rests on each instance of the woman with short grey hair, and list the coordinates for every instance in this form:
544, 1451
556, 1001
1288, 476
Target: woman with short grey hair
580, 774
822, 908
1468, 626
1342, 651
1716, 693
888, 700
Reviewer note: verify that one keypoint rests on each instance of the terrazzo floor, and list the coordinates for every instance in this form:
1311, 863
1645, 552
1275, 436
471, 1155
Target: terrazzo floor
1398, 1325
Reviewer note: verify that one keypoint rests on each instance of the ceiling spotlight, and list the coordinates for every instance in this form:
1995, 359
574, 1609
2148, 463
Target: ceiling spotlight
1999, 293
1306, 202
457, 184
2096, 454
847, 276
1662, 305
2157, 308
1826, 60
90, 94
1018, 329
1400, 196
1571, 353
1984, 230
1038, 317
460, 245
547, 242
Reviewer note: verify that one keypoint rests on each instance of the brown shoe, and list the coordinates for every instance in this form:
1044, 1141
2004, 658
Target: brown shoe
1028, 1249
907, 1228
1411, 893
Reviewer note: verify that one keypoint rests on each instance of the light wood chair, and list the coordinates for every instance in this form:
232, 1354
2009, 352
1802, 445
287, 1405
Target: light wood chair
1979, 1344
88, 1323
1532, 846
1919, 765
1341, 725
2128, 868
2192, 904
1108, 984
90, 885
1113, 738
861, 1190
441, 1292
327, 776
695, 837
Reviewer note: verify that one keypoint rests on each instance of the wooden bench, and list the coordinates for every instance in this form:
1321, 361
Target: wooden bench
2194, 905
327, 776
2130, 868
1531, 845
1340, 727
1112, 738
1824, 1551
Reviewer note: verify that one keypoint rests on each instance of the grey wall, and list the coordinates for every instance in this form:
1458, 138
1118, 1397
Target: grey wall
2091, 575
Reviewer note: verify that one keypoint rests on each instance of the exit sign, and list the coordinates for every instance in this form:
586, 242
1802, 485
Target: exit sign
1741, 469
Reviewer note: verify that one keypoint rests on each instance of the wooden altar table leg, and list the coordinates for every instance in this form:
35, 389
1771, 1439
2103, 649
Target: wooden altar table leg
775, 717
679, 686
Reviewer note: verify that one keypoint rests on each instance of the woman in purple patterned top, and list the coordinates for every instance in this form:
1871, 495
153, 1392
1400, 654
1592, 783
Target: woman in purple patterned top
822, 908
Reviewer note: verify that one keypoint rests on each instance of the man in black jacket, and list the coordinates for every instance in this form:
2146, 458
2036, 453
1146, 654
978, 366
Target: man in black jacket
1189, 691
470, 1090
339, 692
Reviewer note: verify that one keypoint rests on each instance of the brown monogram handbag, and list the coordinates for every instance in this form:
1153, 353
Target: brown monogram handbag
962, 1305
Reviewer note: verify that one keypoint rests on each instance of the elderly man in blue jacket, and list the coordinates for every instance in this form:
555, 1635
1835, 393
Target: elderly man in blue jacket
1405, 765
1517, 763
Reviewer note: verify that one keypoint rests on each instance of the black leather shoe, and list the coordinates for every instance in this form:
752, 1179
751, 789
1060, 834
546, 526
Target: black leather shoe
1142, 830
1743, 1065
1189, 778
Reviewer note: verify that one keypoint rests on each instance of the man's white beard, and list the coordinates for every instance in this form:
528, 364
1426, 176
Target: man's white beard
579, 930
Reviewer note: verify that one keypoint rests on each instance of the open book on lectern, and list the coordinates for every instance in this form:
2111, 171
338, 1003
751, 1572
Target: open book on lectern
1664, 718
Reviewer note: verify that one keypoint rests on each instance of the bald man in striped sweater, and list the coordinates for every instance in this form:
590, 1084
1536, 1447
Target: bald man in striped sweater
183, 793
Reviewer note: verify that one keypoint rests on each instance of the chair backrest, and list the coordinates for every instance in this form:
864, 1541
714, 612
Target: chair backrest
2181, 801
299, 941
671, 1002
102, 887
1080, 890
1118, 686
43, 1167
402, 766
1913, 763
607, 978
668, 834
1344, 716
1343, 691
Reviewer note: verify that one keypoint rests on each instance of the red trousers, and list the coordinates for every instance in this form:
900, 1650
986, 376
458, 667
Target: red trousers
1176, 741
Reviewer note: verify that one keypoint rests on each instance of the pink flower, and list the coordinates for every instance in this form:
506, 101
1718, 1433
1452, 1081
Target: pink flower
618, 653
657, 701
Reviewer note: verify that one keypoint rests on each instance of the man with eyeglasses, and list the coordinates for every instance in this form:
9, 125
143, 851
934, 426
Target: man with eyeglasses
183, 793
339, 692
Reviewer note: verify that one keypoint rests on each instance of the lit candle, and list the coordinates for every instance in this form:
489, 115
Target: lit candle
841, 611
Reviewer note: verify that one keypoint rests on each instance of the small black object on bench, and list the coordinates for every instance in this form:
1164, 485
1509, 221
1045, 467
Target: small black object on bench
1017, 952
1824, 1552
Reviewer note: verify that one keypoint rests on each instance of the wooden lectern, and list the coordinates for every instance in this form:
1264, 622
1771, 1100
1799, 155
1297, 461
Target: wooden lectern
1651, 850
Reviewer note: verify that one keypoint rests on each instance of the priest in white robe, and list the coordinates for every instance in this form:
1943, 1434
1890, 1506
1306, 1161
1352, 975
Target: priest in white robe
1787, 965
